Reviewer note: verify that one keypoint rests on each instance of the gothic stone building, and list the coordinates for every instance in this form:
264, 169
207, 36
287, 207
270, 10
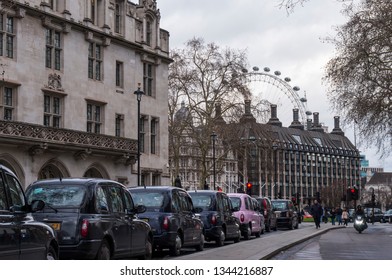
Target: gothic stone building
69, 70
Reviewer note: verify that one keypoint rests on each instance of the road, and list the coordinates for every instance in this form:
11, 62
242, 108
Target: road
375, 243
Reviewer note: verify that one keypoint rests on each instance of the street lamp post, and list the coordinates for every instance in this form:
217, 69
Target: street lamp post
275, 148
138, 94
213, 137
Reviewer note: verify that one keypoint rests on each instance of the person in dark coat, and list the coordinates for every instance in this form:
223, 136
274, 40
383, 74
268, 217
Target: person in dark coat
177, 182
316, 211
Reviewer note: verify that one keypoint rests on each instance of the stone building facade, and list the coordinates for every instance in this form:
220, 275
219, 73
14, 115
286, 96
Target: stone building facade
69, 70
302, 161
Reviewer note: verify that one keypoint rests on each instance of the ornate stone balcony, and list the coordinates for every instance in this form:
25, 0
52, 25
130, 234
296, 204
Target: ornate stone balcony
37, 139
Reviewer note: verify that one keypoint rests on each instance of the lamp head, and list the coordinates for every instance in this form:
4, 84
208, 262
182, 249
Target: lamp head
138, 92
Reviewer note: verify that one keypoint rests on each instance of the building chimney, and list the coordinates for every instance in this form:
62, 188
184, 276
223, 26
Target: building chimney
247, 116
218, 113
274, 116
296, 123
316, 124
336, 129
309, 124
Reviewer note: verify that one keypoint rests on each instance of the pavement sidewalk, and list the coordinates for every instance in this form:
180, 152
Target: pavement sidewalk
262, 248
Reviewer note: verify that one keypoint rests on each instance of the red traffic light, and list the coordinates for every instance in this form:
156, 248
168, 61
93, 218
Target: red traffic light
249, 185
352, 190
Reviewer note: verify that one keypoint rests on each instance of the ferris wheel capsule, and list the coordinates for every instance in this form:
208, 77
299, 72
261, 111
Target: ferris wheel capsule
296, 88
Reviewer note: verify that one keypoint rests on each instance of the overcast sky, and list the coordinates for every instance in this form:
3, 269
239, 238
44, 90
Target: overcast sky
291, 43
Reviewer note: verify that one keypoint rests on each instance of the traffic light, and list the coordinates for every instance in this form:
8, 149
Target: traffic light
349, 194
249, 188
354, 193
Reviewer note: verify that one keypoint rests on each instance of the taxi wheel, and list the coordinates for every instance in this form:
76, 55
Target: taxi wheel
104, 251
51, 253
200, 247
148, 253
221, 239
175, 250
247, 233
238, 238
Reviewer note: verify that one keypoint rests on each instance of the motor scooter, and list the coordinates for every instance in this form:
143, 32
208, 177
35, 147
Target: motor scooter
360, 223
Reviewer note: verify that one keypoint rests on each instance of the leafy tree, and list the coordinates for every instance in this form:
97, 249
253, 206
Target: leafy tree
360, 75
204, 78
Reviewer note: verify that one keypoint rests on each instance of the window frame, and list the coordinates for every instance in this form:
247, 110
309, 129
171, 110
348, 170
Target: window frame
55, 118
149, 78
154, 135
53, 49
119, 125
94, 125
119, 74
7, 35
4, 107
95, 61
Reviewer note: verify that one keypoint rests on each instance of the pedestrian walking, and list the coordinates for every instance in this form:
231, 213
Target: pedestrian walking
316, 211
333, 216
339, 215
345, 216
177, 182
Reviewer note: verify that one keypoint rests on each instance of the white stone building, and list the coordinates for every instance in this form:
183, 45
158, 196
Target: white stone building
69, 70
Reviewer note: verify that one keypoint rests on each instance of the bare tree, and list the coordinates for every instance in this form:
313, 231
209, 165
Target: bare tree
290, 5
360, 75
203, 77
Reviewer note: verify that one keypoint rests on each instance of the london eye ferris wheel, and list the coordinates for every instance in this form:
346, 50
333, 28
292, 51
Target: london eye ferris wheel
268, 88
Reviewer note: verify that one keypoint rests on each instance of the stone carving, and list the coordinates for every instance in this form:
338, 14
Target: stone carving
150, 4
54, 82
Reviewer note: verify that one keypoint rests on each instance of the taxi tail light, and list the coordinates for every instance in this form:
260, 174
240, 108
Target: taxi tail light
165, 223
84, 228
213, 219
242, 218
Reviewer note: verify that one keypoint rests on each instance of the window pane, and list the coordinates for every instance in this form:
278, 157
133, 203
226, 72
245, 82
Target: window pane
46, 120
8, 114
10, 25
56, 122
57, 42
56, 105
89, 127
57, 59
48, 61
97, 128
10, 46
48, 37
47, 104
90, 68
98, 71
98, 52
97, 114
8, 96
89, 112
1, 44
